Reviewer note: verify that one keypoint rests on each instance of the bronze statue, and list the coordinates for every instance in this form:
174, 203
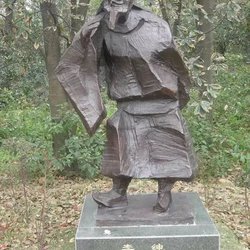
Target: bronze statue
146, 76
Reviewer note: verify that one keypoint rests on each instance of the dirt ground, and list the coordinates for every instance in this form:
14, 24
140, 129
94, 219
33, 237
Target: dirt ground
44, 215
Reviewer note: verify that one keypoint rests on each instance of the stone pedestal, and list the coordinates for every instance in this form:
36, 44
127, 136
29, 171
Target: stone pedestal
185, 226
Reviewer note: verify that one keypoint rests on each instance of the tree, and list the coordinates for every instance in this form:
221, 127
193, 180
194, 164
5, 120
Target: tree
248, 33
9, 10
163, 10
57, 97
52, 34
205, 46
178, 19
78, 15
167, 15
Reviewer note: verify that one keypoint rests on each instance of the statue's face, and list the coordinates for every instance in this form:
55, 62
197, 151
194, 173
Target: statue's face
118, 11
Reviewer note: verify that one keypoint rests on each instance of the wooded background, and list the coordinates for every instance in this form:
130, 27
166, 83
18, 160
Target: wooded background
38, 124
47, 160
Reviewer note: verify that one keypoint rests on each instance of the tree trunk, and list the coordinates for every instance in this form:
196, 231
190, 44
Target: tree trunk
178, 20
248, 35
79, 11
205, 47
57, 96
8, 24
163, 10
9, 14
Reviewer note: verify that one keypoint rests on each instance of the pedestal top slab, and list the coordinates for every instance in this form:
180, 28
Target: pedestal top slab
140, 212
93, 219
186, 225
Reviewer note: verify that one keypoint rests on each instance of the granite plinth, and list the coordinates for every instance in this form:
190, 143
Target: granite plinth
186, 226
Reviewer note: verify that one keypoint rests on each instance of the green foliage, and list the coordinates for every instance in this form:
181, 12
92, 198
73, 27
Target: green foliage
26, 128
25, 141
81, 154
84, 153
23, 136
229, 27
222, 139
21, 64
231, 31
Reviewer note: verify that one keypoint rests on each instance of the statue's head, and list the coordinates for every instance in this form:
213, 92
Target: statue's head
118, 11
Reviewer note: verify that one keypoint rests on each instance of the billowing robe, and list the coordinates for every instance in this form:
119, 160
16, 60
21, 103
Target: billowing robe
146, 137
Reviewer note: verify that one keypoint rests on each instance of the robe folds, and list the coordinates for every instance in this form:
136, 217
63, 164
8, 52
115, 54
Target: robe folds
145, 74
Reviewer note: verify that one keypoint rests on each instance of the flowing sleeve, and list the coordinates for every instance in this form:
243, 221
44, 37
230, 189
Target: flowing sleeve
176, 63
78, 74
172, 59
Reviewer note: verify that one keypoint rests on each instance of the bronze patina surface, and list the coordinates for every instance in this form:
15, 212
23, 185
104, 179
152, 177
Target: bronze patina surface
146, 76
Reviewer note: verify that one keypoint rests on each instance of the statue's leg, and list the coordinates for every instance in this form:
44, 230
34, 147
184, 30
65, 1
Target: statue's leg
117, 196
164, 198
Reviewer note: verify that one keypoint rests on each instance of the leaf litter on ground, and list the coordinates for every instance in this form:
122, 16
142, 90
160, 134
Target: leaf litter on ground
44, 218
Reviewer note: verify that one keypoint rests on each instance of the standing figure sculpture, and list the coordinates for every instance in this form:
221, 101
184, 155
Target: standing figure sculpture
146, 76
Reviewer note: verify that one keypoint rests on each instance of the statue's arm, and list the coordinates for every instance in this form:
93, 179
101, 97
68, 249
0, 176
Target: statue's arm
170, 57
184, 82
173, 60
78, 74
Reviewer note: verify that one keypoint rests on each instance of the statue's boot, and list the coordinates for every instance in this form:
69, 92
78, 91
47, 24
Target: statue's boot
117, 196
164, 198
